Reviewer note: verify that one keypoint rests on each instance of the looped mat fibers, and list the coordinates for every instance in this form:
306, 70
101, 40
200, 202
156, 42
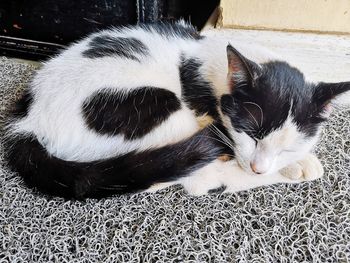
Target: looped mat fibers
309, 222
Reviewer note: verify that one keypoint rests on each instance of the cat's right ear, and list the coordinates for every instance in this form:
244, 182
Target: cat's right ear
240, 69
324, 93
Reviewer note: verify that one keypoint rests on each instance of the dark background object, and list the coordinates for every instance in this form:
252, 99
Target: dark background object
195, 11
38, 29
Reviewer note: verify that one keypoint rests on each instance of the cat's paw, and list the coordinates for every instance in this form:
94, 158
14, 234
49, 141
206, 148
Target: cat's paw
312, 167
308, 169
197, 184
206, 178
159, 186
293, 171
195, 190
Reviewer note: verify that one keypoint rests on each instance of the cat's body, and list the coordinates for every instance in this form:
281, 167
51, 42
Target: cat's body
72, 79
144, 107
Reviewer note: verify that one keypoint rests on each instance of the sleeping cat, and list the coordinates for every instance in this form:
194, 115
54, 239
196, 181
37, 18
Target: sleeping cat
144, 107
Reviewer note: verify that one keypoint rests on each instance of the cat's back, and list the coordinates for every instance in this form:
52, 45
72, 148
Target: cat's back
125, 56
118, 60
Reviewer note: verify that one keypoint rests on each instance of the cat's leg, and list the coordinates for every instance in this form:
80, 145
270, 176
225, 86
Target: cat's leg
200, 181
240, 180
219, 173
309, 168
229, 174
204, 179
159, 186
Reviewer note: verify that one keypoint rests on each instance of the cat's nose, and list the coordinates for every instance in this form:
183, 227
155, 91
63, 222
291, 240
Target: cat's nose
255, 168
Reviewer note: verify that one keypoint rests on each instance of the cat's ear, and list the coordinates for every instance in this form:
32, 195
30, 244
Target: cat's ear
240, 69
324, 93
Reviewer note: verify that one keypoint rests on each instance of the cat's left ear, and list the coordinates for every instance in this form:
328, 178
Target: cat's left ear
240, 69
324, 93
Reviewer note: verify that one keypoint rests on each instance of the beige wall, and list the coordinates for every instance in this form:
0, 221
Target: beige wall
305, 15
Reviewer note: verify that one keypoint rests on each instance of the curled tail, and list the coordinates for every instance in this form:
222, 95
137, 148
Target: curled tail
131, 172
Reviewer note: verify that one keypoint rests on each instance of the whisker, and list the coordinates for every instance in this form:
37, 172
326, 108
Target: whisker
256, 122
222, 136
213, 138
261, 111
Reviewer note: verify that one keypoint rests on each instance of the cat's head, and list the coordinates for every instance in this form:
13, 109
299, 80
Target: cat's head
273, 115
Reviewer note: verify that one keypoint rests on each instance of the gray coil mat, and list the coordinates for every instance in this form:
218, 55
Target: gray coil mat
309, 222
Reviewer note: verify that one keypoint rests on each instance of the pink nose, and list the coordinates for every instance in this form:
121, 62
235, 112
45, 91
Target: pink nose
254, 168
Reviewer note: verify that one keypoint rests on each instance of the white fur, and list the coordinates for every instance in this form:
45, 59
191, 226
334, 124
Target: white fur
278, 149
234, 179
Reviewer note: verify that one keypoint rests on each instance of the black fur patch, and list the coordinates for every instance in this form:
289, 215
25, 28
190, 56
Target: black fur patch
134, 114
128, 173
170, 30
21, 106
102, 46
196, 91
265, 107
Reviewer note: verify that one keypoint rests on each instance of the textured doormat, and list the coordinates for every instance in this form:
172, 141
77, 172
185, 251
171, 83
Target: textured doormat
309, 222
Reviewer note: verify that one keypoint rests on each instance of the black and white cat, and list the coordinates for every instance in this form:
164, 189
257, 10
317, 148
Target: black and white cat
141, 108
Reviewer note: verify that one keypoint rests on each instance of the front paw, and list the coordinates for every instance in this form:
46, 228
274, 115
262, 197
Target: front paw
195, 190
293, 171
308, 169
312, 167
